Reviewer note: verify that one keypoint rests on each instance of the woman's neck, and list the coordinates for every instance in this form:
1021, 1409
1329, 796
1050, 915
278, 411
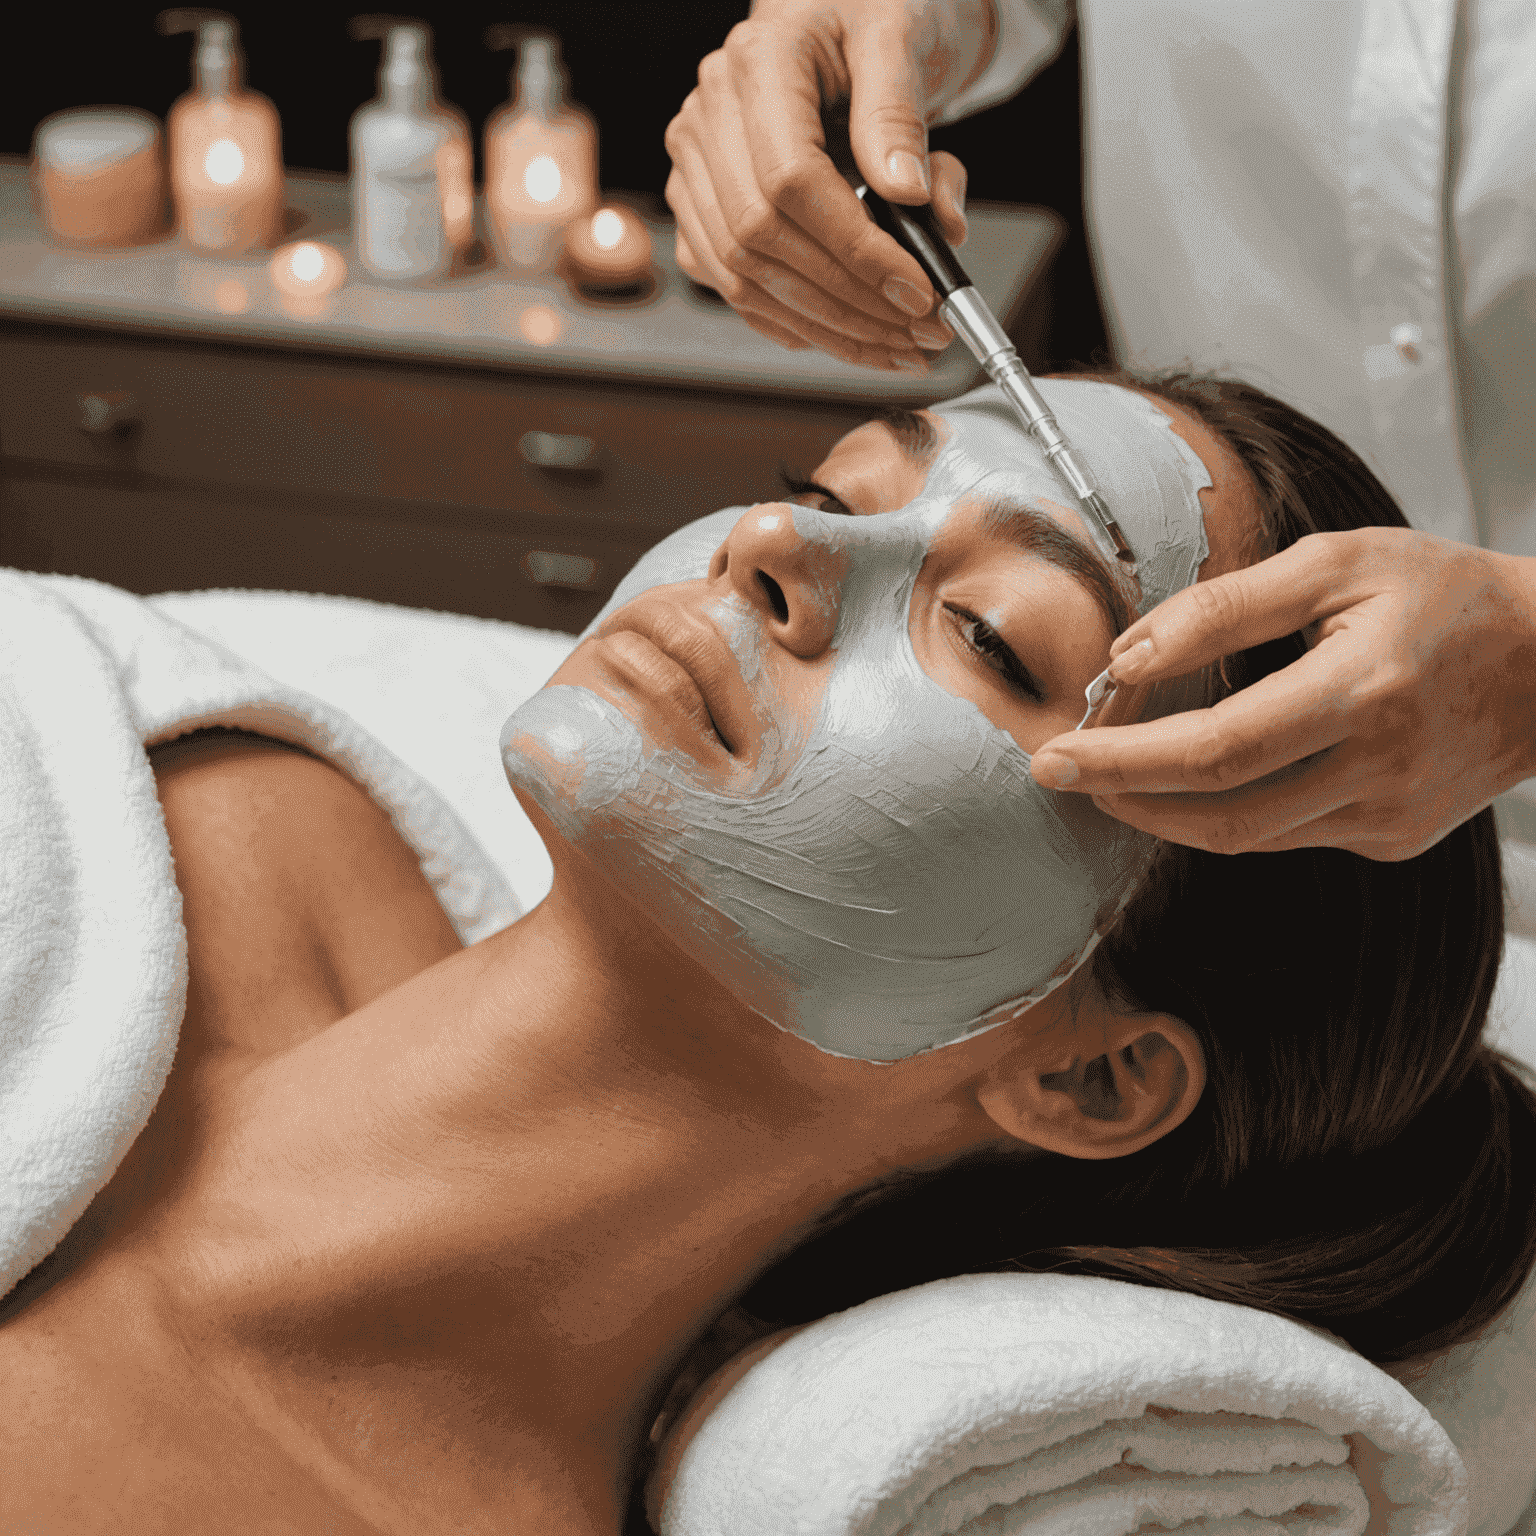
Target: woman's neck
489, 1211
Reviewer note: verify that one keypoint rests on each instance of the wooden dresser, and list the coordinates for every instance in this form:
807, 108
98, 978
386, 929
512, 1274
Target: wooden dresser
489, 446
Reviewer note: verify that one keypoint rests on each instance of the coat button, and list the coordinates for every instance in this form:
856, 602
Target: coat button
1406, 339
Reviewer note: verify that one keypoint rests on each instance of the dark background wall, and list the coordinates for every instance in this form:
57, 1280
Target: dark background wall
630, 64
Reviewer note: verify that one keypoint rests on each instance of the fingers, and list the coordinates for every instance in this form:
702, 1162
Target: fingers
793, 269
1300, 710
685, 256
1331, 805
1315, 577
888, 132
761, 310
1371, 831
1282, 810
949, 181
764, 216
779, 97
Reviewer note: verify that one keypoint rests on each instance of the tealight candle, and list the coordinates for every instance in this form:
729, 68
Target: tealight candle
608, 250
307, 273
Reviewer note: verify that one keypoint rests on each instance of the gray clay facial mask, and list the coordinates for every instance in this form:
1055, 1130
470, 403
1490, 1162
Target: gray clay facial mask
892, 879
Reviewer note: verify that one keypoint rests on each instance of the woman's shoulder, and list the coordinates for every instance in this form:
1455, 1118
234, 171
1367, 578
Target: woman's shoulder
109, 1439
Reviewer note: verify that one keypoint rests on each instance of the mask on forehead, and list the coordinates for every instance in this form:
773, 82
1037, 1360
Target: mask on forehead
990, 454
893, 880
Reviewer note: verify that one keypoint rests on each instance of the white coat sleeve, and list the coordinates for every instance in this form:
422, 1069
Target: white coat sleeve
1029, 35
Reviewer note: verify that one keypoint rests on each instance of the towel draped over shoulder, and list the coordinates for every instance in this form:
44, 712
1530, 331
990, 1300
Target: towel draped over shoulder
93, 954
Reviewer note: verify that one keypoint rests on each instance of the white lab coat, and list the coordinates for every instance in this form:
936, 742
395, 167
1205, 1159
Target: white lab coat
1334, 199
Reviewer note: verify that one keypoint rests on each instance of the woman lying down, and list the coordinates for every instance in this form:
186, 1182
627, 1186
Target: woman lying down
828, 999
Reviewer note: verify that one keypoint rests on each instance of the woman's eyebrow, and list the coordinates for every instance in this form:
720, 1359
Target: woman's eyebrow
914, 434
1037, 533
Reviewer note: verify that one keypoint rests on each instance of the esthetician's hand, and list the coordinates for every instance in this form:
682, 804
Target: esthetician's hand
764, 217
1413, 708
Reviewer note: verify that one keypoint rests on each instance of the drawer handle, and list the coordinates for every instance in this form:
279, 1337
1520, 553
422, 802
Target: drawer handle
107, 412
550, 568
556, 450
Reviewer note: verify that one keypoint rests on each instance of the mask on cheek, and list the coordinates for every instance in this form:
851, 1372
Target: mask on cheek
895, 881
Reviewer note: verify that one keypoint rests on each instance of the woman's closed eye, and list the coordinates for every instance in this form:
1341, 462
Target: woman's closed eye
795, 485
995, 652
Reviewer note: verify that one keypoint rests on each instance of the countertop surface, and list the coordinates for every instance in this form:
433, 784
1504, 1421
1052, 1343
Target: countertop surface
485, 318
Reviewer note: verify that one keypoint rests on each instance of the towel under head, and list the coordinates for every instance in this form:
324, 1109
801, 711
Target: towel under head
1053, 1406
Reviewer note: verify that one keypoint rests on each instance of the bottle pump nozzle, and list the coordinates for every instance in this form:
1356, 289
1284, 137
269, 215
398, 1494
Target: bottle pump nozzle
538, 82
216, 59
406, 76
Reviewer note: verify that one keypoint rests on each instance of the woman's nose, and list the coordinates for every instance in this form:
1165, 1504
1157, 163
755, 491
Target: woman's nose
793, 579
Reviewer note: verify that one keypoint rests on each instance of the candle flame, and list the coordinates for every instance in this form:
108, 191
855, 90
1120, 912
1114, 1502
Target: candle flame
307, 262
308, 271
607, 228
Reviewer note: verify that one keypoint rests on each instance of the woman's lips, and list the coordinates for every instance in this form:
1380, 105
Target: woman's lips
654, 668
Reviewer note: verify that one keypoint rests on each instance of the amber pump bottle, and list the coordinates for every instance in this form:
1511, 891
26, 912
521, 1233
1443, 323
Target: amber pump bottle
540, 156
224, 145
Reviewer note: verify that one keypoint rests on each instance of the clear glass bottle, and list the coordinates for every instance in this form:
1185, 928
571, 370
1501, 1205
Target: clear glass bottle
540, 161
224, 145
413, 200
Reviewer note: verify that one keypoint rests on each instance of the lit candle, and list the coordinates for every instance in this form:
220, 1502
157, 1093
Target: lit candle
610, 249
307, 273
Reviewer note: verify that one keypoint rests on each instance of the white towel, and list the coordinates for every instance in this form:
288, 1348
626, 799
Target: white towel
92, 948
435, 688
1046, 1405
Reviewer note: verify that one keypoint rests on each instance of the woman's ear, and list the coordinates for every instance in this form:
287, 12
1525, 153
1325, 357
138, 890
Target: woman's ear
1106, 1087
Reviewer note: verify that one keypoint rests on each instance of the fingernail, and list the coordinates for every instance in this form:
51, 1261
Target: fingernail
1129, 665
1053, 771
905, 297
957, 207
930, 333
908, 363
906, 168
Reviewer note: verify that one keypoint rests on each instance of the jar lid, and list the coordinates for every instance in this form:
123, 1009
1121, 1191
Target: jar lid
92, 138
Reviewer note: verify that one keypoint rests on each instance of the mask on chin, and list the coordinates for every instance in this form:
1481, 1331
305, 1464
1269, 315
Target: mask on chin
893, 880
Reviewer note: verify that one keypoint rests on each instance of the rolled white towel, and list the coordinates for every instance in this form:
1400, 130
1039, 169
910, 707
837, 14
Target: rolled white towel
999, 1405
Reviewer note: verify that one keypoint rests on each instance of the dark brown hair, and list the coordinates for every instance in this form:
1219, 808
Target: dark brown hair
1359, 1159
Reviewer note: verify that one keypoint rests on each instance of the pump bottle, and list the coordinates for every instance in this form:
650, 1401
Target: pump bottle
540, 157
224, 145
412, 164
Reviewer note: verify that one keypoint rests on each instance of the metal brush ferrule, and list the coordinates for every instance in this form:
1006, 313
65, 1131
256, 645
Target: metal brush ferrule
968, 316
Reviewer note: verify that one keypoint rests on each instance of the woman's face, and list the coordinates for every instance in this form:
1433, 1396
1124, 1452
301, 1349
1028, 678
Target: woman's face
799, 735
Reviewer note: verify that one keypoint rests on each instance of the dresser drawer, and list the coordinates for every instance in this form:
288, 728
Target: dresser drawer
272, 422
164, 539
